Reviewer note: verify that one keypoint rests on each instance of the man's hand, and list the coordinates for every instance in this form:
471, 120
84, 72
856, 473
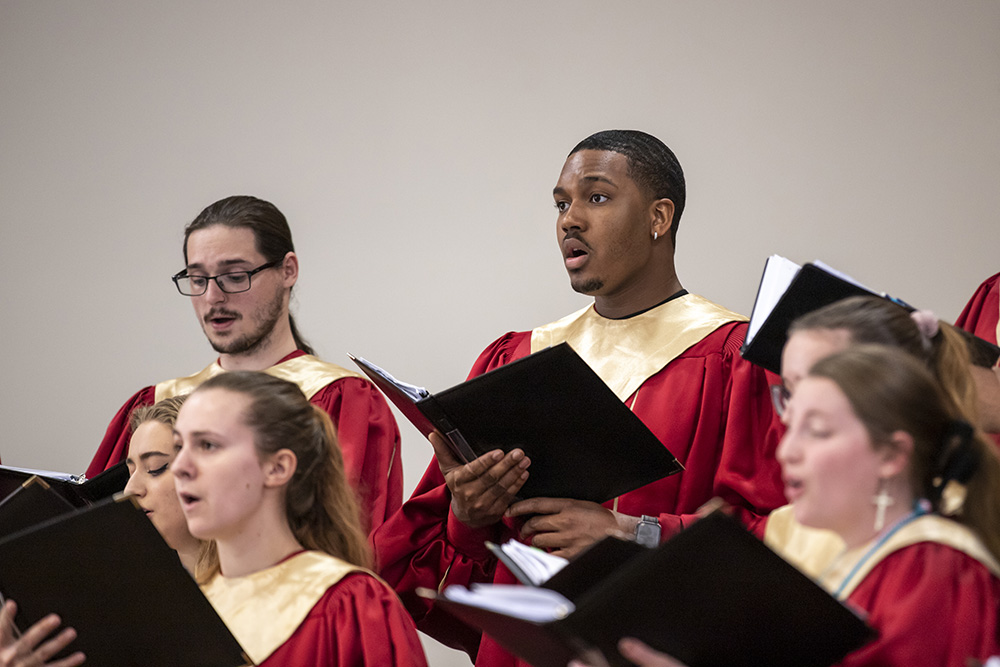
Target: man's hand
483, 489
569, 526
30, 650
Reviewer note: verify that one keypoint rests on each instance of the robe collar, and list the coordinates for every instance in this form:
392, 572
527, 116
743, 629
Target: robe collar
847, 572
305, 370
265, 608
627, 352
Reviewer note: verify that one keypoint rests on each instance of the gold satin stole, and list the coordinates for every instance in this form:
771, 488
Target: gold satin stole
627, 352
308, 372
926, 528
265, 608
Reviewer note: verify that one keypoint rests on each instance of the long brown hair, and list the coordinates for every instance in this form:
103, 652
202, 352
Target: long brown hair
889, 390
871, 319
320, 505
270, 230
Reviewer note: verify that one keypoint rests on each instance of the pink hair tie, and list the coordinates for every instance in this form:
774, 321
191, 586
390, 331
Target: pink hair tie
926, 322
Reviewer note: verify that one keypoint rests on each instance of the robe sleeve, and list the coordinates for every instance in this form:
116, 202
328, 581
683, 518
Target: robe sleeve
425, 545
932, 605
980, 315
713, 410
369, 439
114, 446
358, 621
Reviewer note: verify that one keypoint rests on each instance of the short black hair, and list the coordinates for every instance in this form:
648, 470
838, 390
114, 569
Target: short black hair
651, 164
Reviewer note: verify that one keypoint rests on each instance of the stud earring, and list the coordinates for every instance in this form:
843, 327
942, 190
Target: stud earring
656, 235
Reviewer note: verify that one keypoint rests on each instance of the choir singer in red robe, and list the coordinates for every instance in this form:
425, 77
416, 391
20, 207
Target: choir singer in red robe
258, 471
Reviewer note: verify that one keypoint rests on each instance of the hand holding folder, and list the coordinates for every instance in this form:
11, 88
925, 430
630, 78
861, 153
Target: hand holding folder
583, 442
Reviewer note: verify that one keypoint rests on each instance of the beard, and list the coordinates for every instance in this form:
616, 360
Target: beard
266, 318
588, 286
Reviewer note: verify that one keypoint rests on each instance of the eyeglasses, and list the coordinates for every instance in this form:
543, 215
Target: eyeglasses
779, 398
230, 283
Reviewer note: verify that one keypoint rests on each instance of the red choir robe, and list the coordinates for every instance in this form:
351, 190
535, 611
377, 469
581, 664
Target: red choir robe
314, 610
932, 591
982, 314
678, 367
366, 429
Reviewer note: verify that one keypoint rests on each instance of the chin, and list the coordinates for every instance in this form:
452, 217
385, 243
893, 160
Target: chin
588, 286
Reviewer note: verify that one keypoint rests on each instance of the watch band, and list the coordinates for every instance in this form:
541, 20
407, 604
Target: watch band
647, 531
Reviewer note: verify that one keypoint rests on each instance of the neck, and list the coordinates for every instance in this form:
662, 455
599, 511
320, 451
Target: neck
188, 556
262, 543
637, 298
275, 347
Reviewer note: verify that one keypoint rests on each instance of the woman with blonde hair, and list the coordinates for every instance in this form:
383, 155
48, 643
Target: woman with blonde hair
150, 453
258, 471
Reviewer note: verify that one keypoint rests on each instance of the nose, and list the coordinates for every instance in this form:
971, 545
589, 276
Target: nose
134, 486
570, 218
213, 292
181, 466
787, 450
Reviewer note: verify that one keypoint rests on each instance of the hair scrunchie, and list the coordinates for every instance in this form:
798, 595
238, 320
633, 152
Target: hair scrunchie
928, 325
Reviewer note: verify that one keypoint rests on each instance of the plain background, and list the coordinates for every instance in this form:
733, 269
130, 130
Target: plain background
413, 147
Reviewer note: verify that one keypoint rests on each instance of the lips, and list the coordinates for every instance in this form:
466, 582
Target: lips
220, 320
575, 252
793, 488
188, 500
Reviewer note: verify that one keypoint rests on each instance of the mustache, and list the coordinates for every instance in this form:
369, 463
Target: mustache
221, 312
575, 234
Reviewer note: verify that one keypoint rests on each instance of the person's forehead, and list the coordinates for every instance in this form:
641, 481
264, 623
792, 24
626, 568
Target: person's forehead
591, 162
221, 244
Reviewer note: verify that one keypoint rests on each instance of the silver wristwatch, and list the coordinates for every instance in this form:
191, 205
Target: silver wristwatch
647, 531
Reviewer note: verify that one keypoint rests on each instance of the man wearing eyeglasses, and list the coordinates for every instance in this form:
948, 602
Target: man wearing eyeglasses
240, 268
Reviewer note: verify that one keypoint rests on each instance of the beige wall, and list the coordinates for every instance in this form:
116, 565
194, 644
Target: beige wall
414, 145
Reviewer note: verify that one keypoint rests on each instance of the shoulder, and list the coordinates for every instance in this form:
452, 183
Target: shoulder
505, 349
932, 569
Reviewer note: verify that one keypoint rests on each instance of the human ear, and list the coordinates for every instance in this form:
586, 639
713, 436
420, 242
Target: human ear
663, 217
289, 269
897, 454
280, 467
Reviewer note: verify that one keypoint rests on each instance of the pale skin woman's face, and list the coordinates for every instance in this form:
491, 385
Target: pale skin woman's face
218, 474
151, 481
805, 348
829, 465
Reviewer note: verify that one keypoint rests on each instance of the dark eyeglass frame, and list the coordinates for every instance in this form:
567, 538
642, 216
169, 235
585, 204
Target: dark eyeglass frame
779, 398
180, 275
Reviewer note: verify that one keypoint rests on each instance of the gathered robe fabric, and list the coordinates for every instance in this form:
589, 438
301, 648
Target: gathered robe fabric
981, 316
932, 592
366, 430
707, 405
355, 620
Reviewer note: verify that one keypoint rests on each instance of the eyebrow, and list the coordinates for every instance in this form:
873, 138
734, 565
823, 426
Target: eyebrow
590, 179
149, 455
223, 264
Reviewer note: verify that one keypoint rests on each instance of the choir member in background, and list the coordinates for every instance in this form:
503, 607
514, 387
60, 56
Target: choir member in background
877, 453
671, 356
258, 471
151, 481
981, 316
240, 268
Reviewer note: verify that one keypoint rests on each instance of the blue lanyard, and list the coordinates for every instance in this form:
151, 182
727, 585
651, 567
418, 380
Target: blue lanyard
918, 510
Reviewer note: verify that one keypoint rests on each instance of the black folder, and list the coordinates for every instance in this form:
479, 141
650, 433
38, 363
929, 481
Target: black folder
76, 489
813, 287
31, 503
713, 595
583, 442
107, 573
